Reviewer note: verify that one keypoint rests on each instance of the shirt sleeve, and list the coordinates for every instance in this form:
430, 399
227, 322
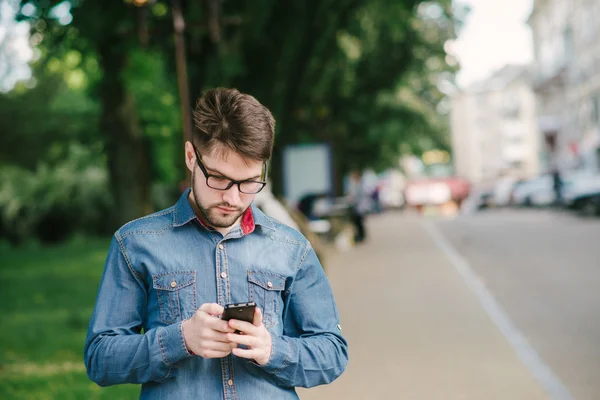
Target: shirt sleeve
115, 350
312, 350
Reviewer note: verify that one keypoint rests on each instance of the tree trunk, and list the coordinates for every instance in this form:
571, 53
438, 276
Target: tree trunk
126, 148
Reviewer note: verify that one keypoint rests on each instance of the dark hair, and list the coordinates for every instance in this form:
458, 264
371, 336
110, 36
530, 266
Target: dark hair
236, 121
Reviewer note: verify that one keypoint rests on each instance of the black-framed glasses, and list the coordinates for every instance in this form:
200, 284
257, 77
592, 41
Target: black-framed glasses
247, 186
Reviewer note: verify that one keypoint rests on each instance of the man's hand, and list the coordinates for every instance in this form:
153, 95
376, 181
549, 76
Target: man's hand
255, 336
205, 333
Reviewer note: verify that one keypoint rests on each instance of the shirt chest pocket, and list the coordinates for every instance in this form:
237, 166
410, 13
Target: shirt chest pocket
176, 294
265, 290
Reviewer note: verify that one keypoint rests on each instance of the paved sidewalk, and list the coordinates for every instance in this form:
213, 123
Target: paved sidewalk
415, 329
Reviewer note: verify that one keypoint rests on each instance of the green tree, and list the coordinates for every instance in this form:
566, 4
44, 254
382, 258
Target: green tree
112, 33
361, 75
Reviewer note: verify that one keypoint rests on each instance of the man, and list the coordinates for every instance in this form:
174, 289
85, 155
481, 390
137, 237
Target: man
168, 275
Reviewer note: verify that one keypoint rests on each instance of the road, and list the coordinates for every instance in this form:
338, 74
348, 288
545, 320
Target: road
496, 305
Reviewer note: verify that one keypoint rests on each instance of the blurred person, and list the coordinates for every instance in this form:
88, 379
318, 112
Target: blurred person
169, 275
376, 196
360, 199
557, 186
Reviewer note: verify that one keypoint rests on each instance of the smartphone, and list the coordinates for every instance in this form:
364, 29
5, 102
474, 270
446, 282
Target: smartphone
239, 311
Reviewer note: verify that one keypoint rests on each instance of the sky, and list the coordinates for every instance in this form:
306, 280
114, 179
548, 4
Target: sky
495, 34
16, 52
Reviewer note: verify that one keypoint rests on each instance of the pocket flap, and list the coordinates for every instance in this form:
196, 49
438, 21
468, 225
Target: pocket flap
174, 280
267, 281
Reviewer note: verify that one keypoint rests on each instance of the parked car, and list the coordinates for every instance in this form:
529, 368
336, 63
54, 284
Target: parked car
503, 190
538, 191
479, 199
583, 194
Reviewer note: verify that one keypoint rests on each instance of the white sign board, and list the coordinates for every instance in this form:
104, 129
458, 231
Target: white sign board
307, 169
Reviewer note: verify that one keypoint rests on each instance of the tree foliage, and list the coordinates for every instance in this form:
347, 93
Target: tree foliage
362, 75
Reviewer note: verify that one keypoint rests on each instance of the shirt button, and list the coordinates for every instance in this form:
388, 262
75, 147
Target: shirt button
173, 284
223, 275
269, 284
221, 246
230, 382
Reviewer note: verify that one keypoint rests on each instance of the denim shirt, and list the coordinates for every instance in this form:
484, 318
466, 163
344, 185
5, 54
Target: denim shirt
161, 268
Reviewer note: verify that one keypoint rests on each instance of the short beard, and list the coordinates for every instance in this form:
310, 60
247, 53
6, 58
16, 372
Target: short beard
210, 216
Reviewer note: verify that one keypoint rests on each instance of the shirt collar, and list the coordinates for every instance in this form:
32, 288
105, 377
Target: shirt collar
184, 213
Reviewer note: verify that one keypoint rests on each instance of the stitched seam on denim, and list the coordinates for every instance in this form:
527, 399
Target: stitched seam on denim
268, 313
218, 277
182, 341
232, 374
285, 361
178, 308
172, 273
156, 286
306, 250
163, 313
275, 316
224, 377
287, 240
194, 300
160, 214
128, 261
147, 232
162, 349
257, 272
227, 279
308, 247
170, 314
251, 292
160, 295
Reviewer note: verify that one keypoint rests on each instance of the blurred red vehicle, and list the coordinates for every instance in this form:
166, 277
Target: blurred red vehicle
445, 194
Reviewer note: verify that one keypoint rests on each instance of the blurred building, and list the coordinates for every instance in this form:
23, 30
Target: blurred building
494, 127
566, 80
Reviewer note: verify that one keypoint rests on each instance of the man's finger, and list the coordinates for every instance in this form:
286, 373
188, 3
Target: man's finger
212, 308
219, 325
218, 346
216, 336
250, 354
246, 340
258, 318
242, 326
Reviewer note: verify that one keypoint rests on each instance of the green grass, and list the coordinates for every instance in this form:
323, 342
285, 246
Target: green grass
46, 299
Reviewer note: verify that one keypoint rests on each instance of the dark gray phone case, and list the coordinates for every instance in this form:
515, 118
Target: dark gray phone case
239, 311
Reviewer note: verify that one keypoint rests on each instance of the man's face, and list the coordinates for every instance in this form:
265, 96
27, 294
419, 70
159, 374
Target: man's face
221, 208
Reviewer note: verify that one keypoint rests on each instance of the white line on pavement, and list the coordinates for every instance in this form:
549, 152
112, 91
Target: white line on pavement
540, 370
